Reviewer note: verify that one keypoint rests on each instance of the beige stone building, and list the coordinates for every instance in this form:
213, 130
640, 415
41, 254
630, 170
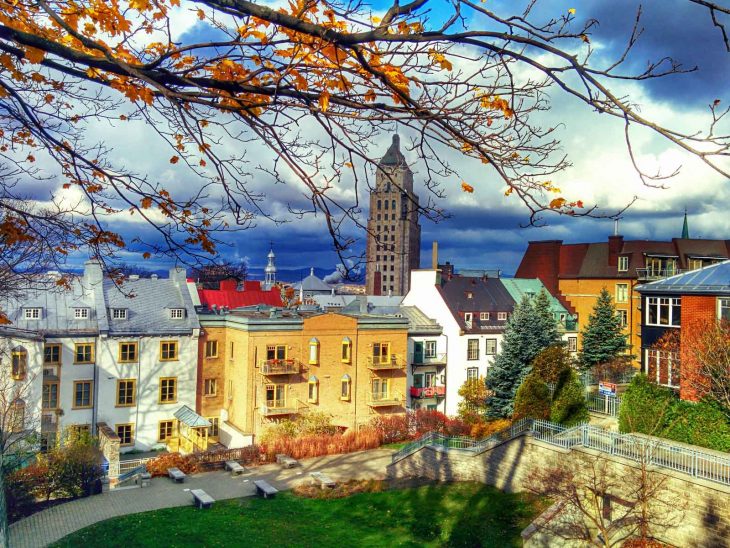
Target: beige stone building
259, 367
394, 235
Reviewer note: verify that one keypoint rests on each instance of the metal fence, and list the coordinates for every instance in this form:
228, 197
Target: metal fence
607, 405
131, 464
651, 451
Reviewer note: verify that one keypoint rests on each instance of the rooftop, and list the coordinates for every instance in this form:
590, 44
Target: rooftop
712, 280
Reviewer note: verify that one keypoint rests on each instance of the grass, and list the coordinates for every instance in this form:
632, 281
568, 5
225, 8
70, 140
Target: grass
459, 514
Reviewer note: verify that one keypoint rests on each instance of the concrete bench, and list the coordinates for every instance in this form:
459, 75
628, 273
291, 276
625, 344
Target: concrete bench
280, 457
145, 479
201, 498
323, 480
264, 488
234, 467
288, 462
176, 475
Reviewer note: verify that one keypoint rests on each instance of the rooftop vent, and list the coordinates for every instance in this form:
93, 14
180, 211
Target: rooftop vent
134, 276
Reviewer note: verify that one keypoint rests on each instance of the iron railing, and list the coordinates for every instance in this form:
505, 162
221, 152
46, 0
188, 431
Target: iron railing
280, 367
606, 405
427, 392
376, 399
392, 361
438, 359
657, 452
658, 273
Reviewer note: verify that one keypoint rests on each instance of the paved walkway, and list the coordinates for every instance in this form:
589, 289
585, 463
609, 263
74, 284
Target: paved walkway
55, 523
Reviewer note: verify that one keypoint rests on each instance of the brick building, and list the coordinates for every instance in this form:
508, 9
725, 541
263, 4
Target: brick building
394, 235
681, 303
576, 273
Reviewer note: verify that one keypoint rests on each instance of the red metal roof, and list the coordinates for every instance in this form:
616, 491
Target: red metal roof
233, 295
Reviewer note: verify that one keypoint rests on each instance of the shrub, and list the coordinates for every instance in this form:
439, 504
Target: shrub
704, 424
532, 399
392, 428
569, 401
644, 407
316, 446
422, 421
159, 465
21, 488
308, 424
550, 363
473, 404
615, 370
485, 429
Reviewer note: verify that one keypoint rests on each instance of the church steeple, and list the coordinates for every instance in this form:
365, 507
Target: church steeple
685, 227
270, 270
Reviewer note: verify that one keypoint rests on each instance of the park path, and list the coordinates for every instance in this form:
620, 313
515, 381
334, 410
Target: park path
52, 524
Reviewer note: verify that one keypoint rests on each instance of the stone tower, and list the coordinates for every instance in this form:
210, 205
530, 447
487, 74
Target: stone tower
394, 235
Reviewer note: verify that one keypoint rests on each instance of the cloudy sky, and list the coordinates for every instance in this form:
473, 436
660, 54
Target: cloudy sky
486, 229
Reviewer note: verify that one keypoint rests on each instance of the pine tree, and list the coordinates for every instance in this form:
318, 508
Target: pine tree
569, 401
603, 337
529, 330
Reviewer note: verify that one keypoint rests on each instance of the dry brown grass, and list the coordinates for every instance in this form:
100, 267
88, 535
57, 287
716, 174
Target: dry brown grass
342, 490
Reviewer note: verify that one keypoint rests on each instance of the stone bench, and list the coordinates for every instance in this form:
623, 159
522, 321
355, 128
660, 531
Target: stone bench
264, 488
176, 475
145, 479
234, 467
201, 498
323, 480
288, 462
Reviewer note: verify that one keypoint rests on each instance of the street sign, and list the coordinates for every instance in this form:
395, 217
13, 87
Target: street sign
607, 388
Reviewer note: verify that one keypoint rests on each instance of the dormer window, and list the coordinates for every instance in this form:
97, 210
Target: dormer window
119, 313
32, 313
469, 295
502, 316
623, 263
81, 313
177, 313
483, 316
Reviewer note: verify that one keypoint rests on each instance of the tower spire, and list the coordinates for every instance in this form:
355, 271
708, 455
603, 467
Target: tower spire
270, 270
685, 226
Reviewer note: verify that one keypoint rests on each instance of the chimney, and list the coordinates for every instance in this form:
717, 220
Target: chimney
615, 245
435, 255
447, 270
179, 275
153, 276
377, 283
363, 301
93, 274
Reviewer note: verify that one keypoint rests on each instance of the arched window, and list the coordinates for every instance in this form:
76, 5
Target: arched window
313, 389
346, 350
19, 366
17, 416
313, 351
345, 387
393, 204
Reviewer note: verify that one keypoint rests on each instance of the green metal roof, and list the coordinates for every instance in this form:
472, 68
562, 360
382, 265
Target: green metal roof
517, 287
187, 416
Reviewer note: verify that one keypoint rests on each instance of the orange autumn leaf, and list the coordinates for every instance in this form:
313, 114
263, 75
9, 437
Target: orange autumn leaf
324, 101
557, 203
466, 187
174, 159
34, 55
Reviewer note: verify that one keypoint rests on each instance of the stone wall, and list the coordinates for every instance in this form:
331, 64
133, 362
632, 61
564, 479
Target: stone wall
704, 506
109, 445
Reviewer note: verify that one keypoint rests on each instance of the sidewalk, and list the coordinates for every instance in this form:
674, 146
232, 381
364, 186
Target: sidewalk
55, 523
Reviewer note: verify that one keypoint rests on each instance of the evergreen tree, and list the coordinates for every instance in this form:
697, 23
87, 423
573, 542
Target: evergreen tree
569, 401
526, 334
532, 399
603, 337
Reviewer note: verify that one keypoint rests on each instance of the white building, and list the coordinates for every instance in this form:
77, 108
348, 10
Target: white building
100, 354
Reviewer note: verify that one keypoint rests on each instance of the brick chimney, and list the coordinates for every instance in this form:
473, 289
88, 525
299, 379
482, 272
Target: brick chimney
435, 255
377, 283
615, 245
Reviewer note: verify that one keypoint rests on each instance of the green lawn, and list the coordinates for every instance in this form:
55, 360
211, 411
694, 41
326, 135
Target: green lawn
461, 514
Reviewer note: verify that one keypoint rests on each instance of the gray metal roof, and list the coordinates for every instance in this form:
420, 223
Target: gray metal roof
713, 279
312, 283
187, 416
393, 156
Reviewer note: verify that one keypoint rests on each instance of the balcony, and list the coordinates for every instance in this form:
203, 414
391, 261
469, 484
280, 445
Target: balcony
378, 399
49, 422
649, 274
277, 407
428, 392
438, 359
385, 362
50, 373
280, 367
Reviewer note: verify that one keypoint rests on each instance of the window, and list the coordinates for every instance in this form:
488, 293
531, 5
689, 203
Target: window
84, 353
168, 390
379, 389
313, 389
483, 316
662, 367
502, 316
623, 263
472, 373
177, 313
211, 349
275, 395
210, 387
379, 204
393, 204
430, 379
346, 350
168, 351
50, 395
345, 385
214, 430
430, 349
491, 347
694, 264
663, 311
32, 313
468, 319
81, 313
572, 344
386, 204
128, 352
126, 391
472, 349
723, 309
17, 416
469, 295
79, 430
119, 313
125, 433
165, 430
622, 293
623, 316
275, 352
19, 363
82, 394
52, 354
313, 351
